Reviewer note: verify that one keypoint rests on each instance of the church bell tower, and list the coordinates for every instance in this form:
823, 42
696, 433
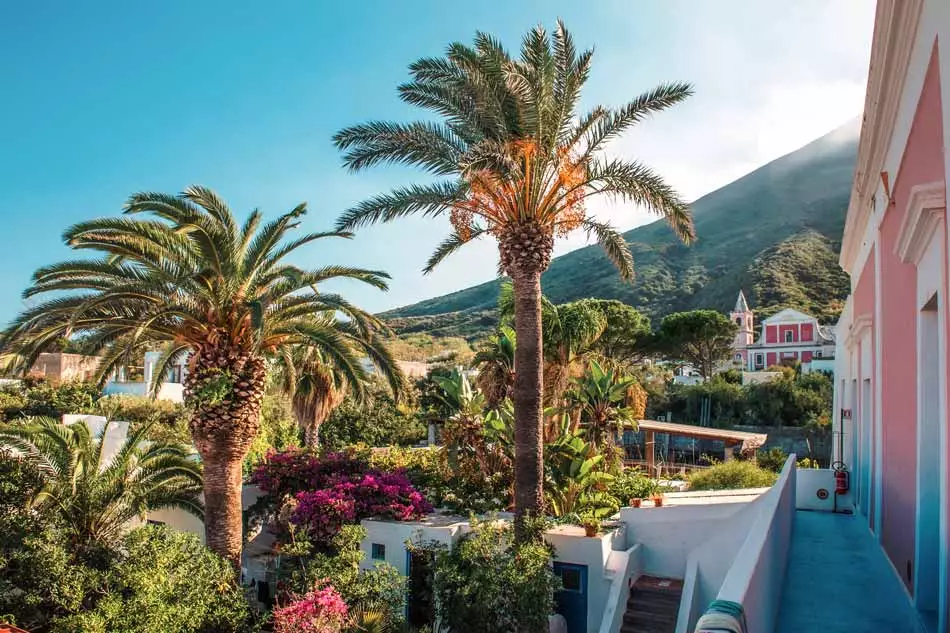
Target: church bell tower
741, 315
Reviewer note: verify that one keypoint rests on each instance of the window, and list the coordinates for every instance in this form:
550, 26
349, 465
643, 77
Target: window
738, 356
378, 551
570, 579
788, 336
151, 522
759, 361
818, 354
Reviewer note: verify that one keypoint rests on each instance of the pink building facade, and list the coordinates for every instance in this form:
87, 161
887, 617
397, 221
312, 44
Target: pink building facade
787, 336
891, 383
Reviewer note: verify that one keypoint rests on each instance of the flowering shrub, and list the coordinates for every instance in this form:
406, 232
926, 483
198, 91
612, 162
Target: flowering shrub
328, 492
323, 513
289, 472
319, 611
349, 499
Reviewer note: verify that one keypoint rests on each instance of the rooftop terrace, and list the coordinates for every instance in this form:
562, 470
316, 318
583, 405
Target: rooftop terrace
838, 580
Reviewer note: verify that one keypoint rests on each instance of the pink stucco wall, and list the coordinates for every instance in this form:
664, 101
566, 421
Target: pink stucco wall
864, 296
922, 162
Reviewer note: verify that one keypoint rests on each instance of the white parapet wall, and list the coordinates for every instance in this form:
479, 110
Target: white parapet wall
670, 533
815, 490
757, 574
572, 546
623, 568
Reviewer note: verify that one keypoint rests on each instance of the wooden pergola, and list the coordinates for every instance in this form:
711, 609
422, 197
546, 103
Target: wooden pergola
747, 442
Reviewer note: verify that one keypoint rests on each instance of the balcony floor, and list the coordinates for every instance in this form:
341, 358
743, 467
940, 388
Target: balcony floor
839, 580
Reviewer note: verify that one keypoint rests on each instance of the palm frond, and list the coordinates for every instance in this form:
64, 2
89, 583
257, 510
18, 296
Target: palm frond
427, 200
449, 246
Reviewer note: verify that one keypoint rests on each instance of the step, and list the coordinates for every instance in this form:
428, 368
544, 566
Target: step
636, 594
655, 608
652, 605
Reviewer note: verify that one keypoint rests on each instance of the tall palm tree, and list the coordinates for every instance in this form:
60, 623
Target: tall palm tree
317, 383
518, 163
569, 334
95, 494
187, 279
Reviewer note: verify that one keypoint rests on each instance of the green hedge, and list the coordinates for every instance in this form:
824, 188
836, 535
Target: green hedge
730, 476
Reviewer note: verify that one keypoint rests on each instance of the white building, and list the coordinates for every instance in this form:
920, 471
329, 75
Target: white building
170, 389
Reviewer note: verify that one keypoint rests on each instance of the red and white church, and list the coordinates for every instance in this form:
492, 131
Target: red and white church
788, 335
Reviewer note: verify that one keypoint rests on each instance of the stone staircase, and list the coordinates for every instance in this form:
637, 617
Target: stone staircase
652, 606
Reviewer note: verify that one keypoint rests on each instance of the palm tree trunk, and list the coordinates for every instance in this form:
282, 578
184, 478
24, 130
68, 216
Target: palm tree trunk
224, 388
528, 390
311, 433
223, 482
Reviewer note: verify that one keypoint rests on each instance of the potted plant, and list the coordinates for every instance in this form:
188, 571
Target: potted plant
658, 499
591, 525
633, 487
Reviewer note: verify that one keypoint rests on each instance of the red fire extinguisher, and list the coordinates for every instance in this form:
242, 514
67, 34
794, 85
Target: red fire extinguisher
842, 480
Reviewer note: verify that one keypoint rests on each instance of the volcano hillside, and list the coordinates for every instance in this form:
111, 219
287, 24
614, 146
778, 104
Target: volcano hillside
774, 233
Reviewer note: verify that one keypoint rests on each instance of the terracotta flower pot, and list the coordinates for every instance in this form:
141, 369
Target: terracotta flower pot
658, 501
590, 531
635, 503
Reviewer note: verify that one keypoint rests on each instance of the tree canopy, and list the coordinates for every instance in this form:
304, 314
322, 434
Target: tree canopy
702, 338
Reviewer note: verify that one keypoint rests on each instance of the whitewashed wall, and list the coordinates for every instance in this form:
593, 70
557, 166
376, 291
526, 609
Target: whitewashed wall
669, 534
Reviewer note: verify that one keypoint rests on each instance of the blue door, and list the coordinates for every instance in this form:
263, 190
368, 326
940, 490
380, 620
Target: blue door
572, 598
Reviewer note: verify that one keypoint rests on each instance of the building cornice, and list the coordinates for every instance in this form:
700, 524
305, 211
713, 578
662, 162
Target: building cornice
859, 327
895, 28
926, 208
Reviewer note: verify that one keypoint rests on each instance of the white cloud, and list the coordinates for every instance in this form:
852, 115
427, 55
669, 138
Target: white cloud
770, 76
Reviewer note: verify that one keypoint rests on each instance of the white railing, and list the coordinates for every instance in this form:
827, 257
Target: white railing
756, 577
745, 561
628, 568
689, 602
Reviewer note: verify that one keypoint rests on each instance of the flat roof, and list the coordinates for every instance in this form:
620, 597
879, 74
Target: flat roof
748, 440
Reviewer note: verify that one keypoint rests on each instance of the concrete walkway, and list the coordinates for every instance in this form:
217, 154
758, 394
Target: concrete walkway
839, 580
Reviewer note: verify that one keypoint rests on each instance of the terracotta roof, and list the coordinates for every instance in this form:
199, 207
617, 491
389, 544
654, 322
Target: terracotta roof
749, 441
9, 628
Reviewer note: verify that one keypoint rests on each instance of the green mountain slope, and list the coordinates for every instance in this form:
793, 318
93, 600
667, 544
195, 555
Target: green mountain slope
772, 232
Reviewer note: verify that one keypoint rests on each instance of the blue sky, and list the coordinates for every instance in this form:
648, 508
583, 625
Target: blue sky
102, 99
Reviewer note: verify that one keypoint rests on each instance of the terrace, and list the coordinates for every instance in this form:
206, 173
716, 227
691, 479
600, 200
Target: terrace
783, 553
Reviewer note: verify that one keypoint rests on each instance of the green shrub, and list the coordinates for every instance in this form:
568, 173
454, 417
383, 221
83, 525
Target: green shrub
632, 484
39, 578
168, 420
731, 475
807, 463
41, 398
141, 410
772, 459
278, 430
487, 584
164, 581
377, 422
